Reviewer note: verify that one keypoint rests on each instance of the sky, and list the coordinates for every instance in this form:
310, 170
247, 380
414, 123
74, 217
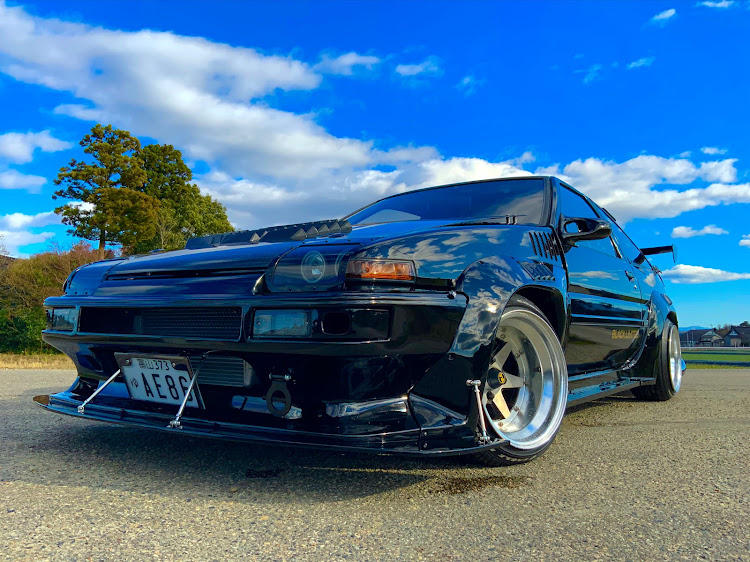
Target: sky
296, 111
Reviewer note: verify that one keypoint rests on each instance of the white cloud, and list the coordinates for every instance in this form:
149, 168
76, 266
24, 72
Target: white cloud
662, 17
14, 239
17, 221
685, 154
271, 166
646, 61
18, 148
720, 4
203, 96
627, 189
12, 179
429, 66
469, 84
345, 64
591, 73
745, 240
713, 150
693, 274
689, 232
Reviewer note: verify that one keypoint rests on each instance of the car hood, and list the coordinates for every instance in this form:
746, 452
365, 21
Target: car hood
256, 257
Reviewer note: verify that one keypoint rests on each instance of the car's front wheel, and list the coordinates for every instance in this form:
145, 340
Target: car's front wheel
526, 389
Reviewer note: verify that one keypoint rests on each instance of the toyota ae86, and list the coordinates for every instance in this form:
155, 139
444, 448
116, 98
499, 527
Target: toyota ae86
460, 319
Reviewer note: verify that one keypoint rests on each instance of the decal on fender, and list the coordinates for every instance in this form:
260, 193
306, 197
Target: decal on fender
624, 334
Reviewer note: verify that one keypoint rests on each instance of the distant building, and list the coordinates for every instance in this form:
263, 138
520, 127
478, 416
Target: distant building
737, 336
733, 336
691, 338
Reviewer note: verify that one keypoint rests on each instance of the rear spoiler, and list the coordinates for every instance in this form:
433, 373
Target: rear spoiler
659, 250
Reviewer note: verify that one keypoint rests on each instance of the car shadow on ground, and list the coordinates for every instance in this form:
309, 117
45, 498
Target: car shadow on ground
61, 450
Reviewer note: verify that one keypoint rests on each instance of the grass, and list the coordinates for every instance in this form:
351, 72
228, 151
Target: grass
34, 361
735, 357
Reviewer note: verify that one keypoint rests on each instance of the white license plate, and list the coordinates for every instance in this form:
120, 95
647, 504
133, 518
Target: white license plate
159, 378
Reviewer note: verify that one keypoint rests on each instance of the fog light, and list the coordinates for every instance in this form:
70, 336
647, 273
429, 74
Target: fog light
281, 323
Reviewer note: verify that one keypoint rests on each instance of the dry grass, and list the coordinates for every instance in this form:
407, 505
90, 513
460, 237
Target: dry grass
34, 361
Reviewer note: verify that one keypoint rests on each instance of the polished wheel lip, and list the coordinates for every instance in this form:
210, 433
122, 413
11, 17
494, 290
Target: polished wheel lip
542, 395
675, 359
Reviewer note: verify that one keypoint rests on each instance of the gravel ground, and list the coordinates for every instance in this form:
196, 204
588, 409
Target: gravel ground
625, 479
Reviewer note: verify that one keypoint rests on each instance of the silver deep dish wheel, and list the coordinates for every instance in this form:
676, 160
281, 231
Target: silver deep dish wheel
675, 359
526, 391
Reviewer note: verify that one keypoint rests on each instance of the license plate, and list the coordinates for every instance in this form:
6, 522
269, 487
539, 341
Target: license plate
162, 379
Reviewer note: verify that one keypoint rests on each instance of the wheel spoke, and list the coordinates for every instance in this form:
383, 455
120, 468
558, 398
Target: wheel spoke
512, 381
502, 356
499, 400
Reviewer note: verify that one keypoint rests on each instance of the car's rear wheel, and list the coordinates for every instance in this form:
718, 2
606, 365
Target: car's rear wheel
526, 388
669, 368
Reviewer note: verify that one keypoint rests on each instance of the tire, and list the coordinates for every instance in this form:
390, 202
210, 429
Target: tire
668, 368
525, 390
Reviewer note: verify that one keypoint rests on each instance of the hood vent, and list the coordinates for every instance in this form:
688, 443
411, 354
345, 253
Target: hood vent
286, 233
545, 245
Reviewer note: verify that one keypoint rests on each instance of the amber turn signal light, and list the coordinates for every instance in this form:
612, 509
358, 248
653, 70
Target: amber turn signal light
381, 270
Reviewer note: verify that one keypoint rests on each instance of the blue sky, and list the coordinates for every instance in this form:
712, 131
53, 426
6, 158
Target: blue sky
299, 111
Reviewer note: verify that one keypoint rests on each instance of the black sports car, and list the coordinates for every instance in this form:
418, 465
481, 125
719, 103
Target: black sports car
456, 319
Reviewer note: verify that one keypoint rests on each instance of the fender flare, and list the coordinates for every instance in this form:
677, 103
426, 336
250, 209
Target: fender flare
488, 286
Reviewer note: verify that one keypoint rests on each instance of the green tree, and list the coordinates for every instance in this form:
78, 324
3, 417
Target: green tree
102, 208
183, 211
745, 323
24, 284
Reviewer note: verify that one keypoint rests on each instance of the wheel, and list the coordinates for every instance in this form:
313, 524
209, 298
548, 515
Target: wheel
668, 369
526, 389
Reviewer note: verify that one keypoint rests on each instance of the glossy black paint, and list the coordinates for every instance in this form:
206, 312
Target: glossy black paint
394, 380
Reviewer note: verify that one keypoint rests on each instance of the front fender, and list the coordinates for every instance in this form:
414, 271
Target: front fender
487, 285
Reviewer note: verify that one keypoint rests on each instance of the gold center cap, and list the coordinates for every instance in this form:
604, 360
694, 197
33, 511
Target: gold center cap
501, 378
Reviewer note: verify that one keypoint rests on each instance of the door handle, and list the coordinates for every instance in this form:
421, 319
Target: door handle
631, 277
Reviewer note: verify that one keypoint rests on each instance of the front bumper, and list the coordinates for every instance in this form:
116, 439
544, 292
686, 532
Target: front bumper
377, 382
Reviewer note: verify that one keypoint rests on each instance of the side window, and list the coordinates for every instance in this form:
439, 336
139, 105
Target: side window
573, 205
625, 244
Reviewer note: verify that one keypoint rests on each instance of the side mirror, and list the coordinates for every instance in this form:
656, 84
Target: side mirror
575, 229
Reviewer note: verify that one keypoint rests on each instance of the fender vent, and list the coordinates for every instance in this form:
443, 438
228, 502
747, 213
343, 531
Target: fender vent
545, 245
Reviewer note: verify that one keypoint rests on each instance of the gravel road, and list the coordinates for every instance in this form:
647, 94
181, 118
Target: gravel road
625, 480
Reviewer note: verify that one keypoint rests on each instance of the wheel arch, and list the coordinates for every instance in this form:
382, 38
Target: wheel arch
551, 302
672, 317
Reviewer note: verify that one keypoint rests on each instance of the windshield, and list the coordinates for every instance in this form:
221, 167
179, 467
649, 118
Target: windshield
523, 198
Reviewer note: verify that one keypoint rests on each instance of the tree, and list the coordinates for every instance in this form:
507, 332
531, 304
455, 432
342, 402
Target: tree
24, 284
183, 210
97, 212
745, 323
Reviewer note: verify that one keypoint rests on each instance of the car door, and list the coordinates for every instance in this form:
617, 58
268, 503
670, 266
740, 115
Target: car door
607, 322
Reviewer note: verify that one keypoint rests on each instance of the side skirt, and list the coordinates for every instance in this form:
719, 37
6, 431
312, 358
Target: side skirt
588, 393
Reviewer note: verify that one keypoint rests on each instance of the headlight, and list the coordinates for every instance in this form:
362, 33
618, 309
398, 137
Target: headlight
62, 319
313, 267
306, 268
380, 270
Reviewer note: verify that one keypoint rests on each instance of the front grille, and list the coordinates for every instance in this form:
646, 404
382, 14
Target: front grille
222, 323
221, 370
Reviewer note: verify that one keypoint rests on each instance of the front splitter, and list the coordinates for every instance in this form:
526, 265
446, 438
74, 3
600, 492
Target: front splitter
392, 443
